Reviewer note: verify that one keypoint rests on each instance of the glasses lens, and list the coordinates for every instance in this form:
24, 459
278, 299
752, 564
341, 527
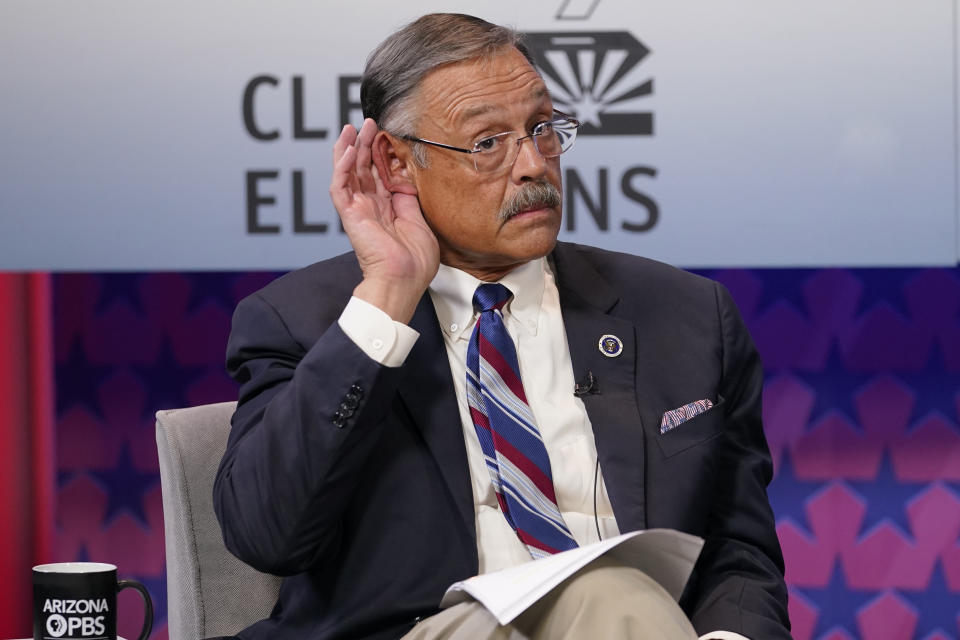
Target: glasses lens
499, 151
548, 141
566, 133
556, 137
491, 153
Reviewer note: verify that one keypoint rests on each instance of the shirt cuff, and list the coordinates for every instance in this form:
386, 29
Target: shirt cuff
723, 635
382, 338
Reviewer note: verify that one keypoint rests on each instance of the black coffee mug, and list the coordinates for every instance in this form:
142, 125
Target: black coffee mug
78, 601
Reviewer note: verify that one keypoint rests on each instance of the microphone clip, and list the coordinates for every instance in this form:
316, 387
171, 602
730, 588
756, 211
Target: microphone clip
587, 387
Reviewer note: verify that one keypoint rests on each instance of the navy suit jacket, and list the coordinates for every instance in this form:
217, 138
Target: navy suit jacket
371, 515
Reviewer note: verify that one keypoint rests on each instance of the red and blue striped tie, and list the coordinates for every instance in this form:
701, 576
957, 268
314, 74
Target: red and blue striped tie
511, 443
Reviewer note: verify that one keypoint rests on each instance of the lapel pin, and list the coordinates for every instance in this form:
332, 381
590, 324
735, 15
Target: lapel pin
610, 346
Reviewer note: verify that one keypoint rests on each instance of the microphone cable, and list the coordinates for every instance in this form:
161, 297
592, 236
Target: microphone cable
596, 477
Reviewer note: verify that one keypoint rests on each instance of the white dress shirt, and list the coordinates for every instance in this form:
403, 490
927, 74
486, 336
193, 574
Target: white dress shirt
532, 318
534, 321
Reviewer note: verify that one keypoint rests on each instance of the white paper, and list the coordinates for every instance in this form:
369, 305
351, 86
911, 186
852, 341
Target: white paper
665, 555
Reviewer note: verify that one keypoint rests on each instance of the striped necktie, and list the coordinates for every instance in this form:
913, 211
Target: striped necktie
512, 447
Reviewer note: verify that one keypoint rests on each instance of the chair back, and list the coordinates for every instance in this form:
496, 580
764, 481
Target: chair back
209, 591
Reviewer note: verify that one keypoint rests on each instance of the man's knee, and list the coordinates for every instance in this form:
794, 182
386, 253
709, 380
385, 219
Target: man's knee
606, 581
610, 600
603, 600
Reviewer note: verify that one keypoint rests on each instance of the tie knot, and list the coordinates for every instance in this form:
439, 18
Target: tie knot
491, 295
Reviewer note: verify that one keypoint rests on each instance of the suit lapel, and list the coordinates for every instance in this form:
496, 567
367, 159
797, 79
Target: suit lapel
588, 305
427, 390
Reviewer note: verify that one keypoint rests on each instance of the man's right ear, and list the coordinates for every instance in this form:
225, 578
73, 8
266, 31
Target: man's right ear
394, 161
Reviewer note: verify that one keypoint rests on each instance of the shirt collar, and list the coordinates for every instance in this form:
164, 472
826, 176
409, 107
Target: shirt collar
452, 295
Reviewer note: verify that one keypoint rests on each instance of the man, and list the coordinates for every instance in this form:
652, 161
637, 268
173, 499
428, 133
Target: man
373, 457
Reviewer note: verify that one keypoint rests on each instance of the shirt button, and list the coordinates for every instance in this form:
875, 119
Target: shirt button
453, 327
377, 344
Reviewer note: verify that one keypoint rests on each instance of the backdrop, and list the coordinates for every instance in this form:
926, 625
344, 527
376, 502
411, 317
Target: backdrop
198, 135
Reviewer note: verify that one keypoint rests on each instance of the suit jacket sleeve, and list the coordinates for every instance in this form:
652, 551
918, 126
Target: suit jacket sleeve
290, 466
738, 581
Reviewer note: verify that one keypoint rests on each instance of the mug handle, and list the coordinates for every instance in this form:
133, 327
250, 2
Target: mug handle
147, 605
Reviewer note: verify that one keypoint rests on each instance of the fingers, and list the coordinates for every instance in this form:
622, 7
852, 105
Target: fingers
348, 136
364, 163
367, 133
343, 181
353, 170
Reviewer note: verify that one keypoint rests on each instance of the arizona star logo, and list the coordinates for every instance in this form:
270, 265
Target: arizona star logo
597, 77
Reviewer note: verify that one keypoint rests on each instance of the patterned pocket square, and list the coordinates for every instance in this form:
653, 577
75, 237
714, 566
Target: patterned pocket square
676, 417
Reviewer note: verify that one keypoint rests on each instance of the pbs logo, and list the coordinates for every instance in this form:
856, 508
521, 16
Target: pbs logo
56, 625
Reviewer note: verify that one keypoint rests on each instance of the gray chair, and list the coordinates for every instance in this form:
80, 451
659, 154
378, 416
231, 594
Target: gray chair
209, 591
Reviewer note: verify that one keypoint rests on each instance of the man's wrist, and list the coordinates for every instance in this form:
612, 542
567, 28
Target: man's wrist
397, 299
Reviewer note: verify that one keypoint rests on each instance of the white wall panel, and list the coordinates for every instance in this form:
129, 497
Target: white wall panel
783, 134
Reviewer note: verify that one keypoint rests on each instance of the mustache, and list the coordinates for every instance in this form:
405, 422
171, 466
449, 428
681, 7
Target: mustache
532, 195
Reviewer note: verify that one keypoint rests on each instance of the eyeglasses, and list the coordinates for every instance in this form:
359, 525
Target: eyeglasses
494, 153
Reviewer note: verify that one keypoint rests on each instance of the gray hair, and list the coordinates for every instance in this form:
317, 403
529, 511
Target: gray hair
396, 68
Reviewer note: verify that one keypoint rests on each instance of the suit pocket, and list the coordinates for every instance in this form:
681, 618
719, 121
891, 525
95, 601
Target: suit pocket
697, 430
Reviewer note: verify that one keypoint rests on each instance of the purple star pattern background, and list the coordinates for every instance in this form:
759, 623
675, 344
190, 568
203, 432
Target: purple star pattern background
861, 407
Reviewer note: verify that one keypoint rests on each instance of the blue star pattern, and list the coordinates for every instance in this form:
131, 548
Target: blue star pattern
146, 331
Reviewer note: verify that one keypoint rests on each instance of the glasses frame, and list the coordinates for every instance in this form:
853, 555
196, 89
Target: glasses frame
558, 116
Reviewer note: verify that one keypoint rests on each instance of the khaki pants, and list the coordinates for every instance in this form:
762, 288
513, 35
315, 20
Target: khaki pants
604, 601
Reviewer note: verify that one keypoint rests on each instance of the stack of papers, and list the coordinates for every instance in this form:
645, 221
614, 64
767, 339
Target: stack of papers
665, 555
